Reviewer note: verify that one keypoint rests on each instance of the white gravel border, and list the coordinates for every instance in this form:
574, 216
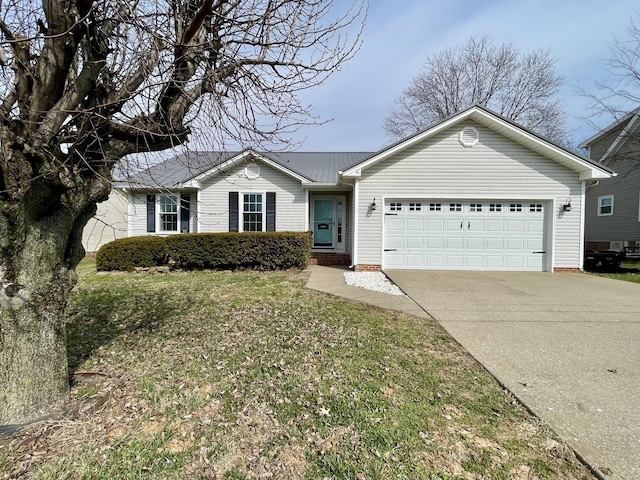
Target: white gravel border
376, 281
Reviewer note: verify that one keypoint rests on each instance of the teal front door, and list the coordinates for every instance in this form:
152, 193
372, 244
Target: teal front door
323, 223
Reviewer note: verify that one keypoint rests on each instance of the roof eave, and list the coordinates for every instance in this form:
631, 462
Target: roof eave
606, 130
244, 155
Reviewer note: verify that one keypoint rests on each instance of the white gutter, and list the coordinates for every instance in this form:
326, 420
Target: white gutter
356, 201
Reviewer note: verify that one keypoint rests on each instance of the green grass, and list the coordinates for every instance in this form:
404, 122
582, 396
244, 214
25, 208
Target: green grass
239, 375
628, 271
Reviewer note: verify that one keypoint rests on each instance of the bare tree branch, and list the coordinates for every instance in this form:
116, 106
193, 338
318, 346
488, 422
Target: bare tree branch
85, 83
521, 87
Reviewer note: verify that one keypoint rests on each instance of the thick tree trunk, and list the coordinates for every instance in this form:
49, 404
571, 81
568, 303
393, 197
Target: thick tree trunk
34, 363
37, 272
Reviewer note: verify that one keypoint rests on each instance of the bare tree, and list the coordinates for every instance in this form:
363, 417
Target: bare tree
85, 83
619, 93
521, 87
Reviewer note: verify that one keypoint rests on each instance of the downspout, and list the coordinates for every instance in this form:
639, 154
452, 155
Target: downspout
356, 201
306, 207
197, 215
583, 208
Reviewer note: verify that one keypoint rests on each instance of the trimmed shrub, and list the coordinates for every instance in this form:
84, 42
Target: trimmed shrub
128, 253
253, 250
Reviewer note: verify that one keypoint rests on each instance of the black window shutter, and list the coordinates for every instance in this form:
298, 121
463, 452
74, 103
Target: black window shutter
185, 206
151, 213
233, 211
271, 211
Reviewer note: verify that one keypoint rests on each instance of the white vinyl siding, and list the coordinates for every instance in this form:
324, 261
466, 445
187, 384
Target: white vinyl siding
109, 223
214, 198
495, 169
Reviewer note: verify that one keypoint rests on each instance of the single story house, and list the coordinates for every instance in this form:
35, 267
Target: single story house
475, 191
612, 208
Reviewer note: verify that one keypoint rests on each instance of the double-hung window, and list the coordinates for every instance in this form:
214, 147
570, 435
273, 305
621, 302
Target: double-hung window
168, 212
605, 206
252, 220
252, 211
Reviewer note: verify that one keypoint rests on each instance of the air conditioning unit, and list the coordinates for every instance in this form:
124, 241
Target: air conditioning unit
616, 245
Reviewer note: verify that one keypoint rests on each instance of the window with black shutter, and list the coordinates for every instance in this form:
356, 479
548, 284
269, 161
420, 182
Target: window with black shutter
233, 211
151, 213
185, 210
271, 211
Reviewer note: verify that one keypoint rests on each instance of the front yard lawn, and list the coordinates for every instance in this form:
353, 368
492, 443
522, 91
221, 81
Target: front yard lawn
628, 271
249, 375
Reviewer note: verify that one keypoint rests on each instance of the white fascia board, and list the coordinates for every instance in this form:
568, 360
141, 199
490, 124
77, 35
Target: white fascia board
629, 129
606, 130
244, 156
193, 183
595, 174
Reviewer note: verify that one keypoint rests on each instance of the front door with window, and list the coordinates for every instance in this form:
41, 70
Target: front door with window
328, 223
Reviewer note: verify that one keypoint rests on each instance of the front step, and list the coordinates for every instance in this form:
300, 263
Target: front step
330, 258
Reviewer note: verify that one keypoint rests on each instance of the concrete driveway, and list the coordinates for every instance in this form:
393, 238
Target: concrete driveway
566, 344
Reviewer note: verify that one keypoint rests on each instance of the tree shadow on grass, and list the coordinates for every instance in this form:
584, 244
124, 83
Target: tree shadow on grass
98, 317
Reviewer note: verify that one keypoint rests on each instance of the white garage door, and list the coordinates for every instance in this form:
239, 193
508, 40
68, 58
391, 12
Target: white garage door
479, 235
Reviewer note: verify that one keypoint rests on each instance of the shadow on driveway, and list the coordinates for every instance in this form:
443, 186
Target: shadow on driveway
566, 344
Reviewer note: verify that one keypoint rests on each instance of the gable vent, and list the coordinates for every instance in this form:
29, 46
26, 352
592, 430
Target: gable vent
469, 136
252, 171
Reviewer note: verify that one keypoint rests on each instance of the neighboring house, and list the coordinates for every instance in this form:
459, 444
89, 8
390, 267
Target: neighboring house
475, 191
613, 206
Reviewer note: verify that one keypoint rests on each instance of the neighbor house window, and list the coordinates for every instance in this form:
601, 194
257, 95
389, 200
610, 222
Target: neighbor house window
252, 212
168, 211
605, 206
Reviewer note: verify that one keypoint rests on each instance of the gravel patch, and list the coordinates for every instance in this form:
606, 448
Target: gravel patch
376, 281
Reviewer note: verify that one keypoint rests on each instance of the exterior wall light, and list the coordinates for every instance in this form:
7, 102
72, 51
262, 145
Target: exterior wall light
373, 204
567, 206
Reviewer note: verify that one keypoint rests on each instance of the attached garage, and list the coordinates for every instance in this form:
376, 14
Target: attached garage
473, 192
462, 234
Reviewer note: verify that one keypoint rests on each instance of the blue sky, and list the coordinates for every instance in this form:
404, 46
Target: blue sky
399, 36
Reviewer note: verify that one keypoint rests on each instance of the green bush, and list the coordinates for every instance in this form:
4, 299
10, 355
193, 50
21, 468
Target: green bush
128, 253
255, 250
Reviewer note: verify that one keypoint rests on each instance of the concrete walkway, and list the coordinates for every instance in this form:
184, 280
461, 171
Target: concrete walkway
567, 345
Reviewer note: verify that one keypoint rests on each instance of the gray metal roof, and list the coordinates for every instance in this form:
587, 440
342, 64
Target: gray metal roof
319, 167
